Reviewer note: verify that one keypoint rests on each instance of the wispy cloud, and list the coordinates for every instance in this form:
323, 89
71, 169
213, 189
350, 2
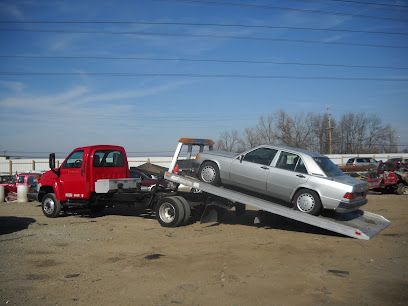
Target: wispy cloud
14, 86
81, 99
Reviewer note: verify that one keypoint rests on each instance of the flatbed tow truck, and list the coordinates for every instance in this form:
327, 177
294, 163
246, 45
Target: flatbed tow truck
174, 208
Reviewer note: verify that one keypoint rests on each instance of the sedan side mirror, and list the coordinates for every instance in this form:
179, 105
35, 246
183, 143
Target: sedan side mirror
241, 158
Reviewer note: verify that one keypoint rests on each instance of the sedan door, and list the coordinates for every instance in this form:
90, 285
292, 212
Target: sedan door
251, 170
286, 176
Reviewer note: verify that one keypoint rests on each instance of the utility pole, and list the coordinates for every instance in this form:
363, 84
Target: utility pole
330, 130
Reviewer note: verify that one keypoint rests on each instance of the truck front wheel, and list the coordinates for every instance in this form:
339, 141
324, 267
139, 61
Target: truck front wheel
51, 207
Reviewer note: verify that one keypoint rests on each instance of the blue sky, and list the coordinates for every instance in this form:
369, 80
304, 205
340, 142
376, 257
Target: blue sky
148, 114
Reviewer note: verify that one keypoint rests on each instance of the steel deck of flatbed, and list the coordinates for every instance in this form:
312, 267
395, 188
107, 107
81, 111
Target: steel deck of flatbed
359, 224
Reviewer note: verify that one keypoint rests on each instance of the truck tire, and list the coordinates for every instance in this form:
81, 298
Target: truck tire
170, 212
402, 189
307, 201
51, 207
187, 209
209, 173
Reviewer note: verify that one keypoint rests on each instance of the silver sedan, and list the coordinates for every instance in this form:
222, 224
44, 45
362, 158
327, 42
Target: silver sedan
310, 181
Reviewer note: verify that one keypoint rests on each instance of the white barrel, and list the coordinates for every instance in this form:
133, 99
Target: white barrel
22, 193
1, 194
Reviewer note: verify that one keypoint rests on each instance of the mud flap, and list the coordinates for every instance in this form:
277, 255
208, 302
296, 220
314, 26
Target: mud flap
210, 215
213, 212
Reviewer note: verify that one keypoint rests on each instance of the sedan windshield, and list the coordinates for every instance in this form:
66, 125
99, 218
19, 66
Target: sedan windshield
328, 167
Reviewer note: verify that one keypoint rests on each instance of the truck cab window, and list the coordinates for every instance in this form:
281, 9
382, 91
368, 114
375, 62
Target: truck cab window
108, 158
74, 160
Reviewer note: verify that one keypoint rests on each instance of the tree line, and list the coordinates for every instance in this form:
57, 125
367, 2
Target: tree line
352, 133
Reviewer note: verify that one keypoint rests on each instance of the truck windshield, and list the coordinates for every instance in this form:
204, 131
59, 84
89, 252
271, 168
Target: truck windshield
328, 167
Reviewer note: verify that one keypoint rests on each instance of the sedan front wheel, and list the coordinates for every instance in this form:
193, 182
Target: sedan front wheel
209, 173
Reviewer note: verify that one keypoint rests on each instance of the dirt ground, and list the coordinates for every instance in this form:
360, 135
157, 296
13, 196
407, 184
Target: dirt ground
120, 258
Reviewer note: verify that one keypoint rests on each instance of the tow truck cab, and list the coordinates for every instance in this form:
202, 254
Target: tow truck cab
75, 179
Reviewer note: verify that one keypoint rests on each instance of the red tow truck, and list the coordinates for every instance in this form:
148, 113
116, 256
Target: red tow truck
89, 177
98, 176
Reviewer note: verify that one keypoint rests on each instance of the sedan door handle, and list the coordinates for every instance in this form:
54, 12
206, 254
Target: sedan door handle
265, 167
300, 175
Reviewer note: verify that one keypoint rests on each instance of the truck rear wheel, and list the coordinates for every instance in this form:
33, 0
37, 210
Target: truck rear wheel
170, 212
187, 209
51, 207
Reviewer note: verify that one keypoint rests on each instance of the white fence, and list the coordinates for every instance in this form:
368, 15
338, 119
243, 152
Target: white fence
11, 166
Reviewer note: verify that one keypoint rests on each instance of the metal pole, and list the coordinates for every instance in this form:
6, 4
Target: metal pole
10, 167
329, 129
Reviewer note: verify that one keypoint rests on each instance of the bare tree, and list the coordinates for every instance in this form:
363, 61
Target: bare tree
360, 133
251, 138
229, 141
295, 131
265, 129
354, 133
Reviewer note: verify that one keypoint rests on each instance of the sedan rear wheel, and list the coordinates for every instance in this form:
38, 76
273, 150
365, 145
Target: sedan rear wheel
307, 201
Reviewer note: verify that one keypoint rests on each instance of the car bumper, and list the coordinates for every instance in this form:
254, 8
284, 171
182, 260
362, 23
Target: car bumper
350, 206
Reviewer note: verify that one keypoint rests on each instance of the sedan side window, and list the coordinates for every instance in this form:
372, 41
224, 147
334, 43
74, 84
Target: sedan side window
291, 162
263, 156
74, 160
300, 167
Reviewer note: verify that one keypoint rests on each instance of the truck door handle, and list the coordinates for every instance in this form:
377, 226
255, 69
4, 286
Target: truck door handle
300, 175
265, 167
82, 172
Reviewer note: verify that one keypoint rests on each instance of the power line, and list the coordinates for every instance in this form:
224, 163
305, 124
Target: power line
388, 5
206, 60
197, 75
306, 41
275, 7
223, 25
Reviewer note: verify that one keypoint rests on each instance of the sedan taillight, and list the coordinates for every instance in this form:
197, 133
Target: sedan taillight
348, 196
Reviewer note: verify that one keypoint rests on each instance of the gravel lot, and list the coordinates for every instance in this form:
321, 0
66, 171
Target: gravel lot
120, 258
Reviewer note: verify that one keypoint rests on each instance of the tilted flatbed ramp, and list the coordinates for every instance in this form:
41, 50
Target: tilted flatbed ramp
360, 224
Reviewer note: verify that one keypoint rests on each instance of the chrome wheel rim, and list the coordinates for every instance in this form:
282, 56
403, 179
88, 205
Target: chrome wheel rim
49, 206
208, 174
306, 202
167, 212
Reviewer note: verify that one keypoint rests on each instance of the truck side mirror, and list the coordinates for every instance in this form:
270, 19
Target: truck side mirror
51, 160
51, 163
